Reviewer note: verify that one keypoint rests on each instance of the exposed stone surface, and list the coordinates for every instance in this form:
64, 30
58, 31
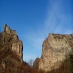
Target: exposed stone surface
55, 50
12, 37
36, 63
11, 49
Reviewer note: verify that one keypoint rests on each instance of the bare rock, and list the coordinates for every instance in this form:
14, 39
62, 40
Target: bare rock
10, 37
36, 63
11, 52
55, 49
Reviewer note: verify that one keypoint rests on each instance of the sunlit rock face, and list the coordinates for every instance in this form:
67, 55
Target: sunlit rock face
55, 50
10, 37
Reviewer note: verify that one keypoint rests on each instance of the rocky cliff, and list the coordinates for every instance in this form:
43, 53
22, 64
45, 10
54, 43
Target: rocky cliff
10, 50
10, 37
55, 49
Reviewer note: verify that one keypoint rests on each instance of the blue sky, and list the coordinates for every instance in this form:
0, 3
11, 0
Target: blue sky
35, 19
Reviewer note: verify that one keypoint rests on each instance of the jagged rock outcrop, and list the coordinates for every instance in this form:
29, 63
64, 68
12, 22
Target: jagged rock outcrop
55, 49
11, 51
11, 37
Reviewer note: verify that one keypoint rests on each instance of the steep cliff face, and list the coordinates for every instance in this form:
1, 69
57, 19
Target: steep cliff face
10, 37
55, 49
10, 50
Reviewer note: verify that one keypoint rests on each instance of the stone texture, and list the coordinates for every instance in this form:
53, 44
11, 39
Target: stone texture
10, 37
36, 63
55, 50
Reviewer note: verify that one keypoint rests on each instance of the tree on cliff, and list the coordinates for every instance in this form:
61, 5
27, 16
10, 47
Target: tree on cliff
30, 62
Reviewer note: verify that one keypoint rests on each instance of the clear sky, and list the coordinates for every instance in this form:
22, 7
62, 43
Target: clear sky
35, 19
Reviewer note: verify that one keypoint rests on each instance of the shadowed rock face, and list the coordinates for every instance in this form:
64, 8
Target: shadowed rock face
11, 37
55, 49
